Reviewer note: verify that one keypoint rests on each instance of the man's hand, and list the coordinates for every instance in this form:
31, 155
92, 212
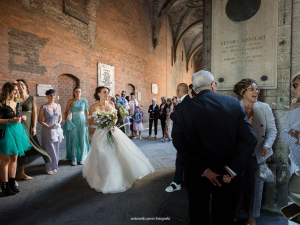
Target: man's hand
227, 178
212, 177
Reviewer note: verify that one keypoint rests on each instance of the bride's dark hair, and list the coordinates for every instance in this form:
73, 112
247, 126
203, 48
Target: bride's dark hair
98, 90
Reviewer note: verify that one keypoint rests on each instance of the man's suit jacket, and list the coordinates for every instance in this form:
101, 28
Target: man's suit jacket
212, 131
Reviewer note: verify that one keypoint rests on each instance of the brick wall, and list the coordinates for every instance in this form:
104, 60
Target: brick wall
39, 42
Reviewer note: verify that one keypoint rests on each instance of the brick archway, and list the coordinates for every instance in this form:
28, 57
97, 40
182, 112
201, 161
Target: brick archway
67, 69
65, 73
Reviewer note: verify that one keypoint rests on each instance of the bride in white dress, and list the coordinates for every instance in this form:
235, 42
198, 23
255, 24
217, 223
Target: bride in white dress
112, 169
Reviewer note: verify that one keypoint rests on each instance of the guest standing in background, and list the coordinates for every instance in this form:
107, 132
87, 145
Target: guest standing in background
162, 115
120, 118
52, 113
191, 91
290, 129
137, 121
263, 123
14, 139
182, 93
126, 119
133, 103
29, 109
174, 101
169, 123
121, 100
76, 128
153, 117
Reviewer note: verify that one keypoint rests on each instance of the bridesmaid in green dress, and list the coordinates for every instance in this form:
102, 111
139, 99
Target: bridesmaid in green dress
76, 128
29, 109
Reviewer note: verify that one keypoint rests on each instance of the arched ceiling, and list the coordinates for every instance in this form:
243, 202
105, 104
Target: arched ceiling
185, 18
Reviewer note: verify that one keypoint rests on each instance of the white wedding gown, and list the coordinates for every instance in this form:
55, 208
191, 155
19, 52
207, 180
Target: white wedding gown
113, 169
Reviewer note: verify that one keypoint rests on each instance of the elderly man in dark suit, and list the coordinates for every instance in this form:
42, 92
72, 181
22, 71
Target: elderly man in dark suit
213, 135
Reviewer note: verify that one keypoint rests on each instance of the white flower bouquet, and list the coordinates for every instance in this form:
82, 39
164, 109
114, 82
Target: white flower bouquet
106, 120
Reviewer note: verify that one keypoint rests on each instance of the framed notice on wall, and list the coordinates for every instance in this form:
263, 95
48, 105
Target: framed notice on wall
139, 96
42, 88
106, 77
154, 89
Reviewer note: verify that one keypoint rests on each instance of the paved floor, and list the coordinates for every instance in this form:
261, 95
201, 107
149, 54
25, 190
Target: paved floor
66, 198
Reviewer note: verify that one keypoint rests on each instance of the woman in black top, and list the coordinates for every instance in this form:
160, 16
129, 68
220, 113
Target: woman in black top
153, 117
162, 113
14, 138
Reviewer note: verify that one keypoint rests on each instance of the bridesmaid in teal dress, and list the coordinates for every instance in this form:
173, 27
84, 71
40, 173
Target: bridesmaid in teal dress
76, 128
14, 139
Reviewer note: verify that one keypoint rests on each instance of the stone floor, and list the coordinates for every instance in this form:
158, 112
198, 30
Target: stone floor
66, 198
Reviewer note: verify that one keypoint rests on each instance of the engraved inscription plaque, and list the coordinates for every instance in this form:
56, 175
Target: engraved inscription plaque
106, 77
247, 47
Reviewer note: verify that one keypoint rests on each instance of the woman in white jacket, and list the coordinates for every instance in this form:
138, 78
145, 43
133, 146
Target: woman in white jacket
290, 129
263, 122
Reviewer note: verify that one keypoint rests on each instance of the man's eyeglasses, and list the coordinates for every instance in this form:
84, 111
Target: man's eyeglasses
295, 85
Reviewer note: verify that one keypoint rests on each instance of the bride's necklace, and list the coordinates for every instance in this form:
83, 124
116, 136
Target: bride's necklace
101, 107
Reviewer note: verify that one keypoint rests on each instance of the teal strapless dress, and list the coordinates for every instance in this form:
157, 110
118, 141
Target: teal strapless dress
16, 140
76, 132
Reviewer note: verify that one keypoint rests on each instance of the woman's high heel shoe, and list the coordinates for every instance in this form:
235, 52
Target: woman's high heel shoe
6, 190
49, 172
12, 184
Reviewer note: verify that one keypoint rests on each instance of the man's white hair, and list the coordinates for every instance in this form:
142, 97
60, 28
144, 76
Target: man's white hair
202, 80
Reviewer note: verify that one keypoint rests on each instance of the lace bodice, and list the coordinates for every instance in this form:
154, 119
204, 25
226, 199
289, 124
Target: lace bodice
8, 113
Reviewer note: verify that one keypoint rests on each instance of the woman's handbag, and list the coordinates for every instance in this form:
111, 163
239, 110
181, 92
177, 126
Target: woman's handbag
2, 132
264, 173
292, 211
123, 112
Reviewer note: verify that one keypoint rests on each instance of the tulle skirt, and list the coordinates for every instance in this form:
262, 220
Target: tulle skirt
16, 140
113, 169
138, 126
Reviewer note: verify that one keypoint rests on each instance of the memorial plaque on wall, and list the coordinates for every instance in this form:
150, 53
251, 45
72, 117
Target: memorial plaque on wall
244, 42
154, 88
106, 77
42, 88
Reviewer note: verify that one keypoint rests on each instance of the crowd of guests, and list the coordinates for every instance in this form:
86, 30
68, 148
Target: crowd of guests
216, 146
18, 122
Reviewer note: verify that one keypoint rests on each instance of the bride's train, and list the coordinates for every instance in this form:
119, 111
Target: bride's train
113, 169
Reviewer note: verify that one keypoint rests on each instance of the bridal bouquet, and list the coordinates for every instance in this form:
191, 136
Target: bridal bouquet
105, 120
